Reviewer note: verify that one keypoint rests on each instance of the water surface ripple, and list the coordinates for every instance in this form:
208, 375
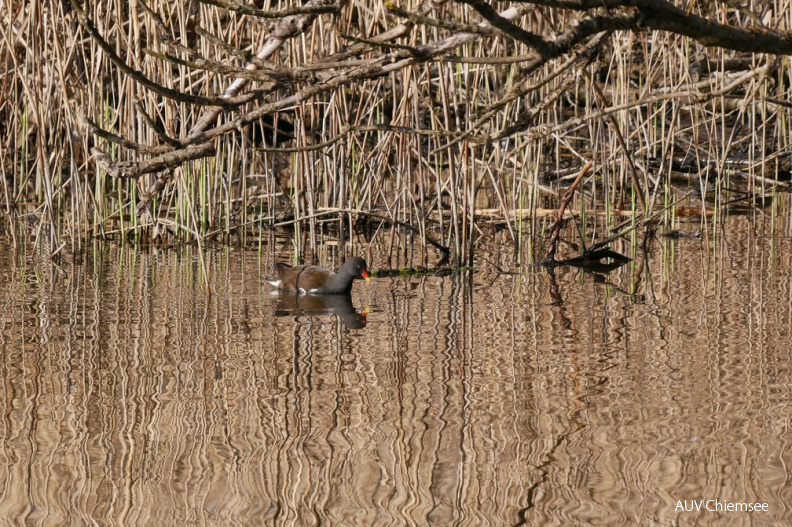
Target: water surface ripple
131, 397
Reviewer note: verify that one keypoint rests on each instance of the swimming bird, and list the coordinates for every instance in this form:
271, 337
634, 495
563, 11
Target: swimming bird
315, 280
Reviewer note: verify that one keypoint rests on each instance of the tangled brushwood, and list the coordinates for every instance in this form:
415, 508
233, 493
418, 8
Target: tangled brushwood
219, 119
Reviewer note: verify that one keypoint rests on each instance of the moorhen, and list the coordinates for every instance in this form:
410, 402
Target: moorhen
315, 280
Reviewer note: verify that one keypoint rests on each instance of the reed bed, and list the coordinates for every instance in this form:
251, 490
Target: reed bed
396, 156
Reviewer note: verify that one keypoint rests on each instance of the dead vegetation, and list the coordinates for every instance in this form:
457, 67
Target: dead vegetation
212, 121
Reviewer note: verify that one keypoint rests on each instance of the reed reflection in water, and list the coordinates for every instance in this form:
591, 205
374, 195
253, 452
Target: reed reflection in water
130, 397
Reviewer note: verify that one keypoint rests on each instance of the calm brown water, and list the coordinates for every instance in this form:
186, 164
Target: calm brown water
131, 397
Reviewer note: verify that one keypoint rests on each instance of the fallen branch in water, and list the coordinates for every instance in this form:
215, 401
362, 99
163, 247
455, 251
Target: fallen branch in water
556, 230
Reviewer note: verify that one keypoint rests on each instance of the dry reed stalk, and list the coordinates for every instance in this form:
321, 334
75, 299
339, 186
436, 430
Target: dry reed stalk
658, 88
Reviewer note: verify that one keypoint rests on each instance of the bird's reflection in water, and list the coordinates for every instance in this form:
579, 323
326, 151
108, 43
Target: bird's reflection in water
321, 305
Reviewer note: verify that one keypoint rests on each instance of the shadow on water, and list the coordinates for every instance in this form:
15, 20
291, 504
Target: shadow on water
296, 305
131, 397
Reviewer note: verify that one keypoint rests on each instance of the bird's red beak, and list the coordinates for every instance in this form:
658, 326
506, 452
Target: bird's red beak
366, 276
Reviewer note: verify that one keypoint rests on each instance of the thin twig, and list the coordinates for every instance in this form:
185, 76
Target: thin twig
556, 230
